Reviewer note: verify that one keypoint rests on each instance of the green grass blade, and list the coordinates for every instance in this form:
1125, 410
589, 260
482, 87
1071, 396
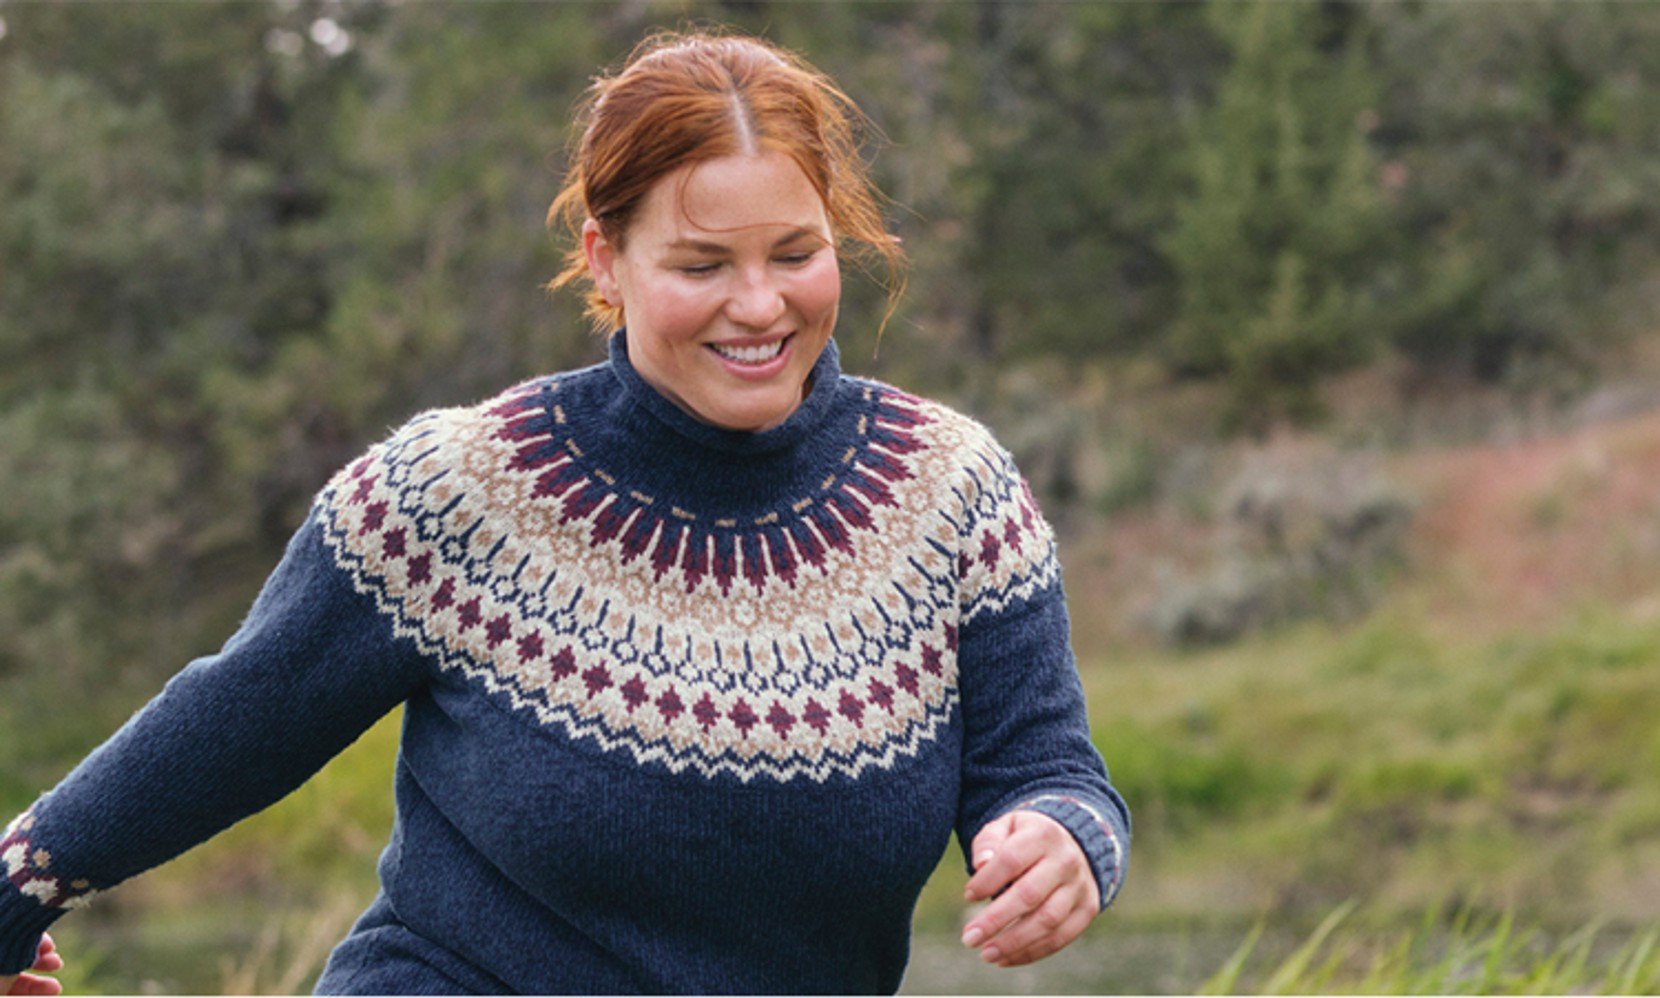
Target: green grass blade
1226, 980
1291, 974
1639, 975
1498, 949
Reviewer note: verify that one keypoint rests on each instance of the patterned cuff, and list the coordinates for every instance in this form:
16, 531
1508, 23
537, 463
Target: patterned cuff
31, 897
1101, 842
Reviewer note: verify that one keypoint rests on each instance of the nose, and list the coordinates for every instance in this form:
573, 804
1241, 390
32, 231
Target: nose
756, 301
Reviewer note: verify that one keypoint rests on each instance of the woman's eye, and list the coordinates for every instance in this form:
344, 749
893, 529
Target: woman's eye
795, 259
698, 269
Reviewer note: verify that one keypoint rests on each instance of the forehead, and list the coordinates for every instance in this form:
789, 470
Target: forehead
730, 197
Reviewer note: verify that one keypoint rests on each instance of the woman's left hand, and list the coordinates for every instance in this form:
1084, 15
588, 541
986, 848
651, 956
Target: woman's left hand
1049, 894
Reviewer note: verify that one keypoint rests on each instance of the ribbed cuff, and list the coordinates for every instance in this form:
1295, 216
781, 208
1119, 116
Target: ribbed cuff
1101, 841
22, 920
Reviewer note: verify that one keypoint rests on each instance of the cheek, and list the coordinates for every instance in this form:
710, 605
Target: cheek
821, 288
674, 310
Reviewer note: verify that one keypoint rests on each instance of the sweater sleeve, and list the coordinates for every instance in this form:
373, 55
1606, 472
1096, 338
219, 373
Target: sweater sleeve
312, 666
1026, 739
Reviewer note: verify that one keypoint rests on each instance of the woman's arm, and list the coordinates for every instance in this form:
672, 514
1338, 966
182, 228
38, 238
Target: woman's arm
313, 665
1039, 819
1027, 741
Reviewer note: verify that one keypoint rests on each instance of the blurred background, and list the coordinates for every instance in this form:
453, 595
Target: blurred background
1325, 333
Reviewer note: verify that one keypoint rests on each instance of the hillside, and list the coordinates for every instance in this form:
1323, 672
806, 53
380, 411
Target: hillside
1514, 536
1483, 731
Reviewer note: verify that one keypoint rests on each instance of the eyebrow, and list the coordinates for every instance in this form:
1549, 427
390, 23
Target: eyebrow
700, 246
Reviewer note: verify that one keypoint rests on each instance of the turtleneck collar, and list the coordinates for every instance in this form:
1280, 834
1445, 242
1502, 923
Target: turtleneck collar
826, 376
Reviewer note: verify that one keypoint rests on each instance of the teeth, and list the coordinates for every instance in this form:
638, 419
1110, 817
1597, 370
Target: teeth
750, 355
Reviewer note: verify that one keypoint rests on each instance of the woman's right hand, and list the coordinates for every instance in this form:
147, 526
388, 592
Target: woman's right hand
46, 960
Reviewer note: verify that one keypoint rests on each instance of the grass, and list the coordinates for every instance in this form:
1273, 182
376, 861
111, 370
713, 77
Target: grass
1387, 761
1472, 954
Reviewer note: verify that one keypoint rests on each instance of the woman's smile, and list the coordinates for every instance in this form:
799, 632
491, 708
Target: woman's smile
751, 357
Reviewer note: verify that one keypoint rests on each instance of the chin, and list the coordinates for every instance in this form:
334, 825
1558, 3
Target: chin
752, 418
756, 424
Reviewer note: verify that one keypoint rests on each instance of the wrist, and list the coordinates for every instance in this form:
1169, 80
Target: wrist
1103, 844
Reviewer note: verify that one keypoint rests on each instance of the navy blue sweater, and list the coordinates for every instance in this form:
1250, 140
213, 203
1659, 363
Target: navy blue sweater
687, 709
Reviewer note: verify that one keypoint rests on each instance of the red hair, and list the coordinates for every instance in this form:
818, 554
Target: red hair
681, 99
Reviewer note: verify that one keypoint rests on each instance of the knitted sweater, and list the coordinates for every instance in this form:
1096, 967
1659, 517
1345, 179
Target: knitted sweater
686, 709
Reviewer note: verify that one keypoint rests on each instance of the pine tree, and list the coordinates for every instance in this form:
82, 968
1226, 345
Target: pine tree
1275, 247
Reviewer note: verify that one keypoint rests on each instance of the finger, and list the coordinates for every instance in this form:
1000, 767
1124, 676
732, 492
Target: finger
1071, 926
1048, 947
1032, 925
46, 943
49, 963
1007, 868
30, 984
1027, 894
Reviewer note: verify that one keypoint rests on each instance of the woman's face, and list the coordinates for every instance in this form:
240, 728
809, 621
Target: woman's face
729, 285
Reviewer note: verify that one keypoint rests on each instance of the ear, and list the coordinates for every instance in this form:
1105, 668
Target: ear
602, 261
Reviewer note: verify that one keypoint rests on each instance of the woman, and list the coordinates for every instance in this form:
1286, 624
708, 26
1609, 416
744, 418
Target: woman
705, 650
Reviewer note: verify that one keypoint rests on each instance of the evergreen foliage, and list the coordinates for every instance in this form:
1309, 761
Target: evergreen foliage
1520, 160
1279, 246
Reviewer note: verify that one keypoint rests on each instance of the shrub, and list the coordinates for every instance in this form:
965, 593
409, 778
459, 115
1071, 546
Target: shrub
1301, 538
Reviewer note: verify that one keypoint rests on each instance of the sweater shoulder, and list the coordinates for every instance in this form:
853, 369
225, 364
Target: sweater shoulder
446, 475
436, 442
1006, 549
980, 471
966, 440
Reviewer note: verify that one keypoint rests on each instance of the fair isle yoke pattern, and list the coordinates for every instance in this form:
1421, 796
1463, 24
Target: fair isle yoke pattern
811, 638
